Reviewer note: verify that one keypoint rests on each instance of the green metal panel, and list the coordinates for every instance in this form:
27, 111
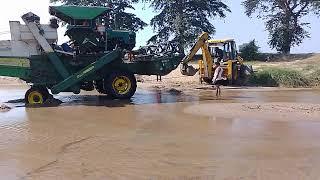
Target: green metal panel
60, 67
157, 66
67, 13
49, 69
15, 67
43, 72
54, 59
85, 72
127, 39
15, 71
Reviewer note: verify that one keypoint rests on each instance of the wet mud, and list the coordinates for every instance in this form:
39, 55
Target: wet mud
4, 108
262, 111
164, 135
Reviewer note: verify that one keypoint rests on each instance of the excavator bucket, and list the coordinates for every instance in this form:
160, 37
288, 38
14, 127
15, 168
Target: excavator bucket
187, 70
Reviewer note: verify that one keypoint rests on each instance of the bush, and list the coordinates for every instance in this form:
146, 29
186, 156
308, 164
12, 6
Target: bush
274, 77
262, 78
249, 51
314, 78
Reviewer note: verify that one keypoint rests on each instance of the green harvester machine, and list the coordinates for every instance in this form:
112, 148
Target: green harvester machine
96, 57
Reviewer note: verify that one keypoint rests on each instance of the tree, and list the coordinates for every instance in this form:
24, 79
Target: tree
182, 21
283, 20
121, 18
249, 51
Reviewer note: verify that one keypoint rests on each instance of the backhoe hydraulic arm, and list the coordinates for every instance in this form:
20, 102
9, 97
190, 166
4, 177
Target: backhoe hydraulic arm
201, 43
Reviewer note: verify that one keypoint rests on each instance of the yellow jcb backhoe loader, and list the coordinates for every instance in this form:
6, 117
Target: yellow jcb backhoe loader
234, 69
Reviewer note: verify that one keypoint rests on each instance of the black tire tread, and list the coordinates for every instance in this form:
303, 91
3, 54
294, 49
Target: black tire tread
99, 86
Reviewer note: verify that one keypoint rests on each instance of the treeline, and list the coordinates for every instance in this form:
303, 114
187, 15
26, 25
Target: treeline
181, 21
250, 52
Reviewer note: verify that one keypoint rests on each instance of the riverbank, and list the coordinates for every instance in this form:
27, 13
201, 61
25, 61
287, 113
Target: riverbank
300, 72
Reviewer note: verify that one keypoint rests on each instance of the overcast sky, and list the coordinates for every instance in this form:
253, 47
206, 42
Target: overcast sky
236, 25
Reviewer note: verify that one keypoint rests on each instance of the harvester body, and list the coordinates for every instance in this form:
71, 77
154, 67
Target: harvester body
96, 57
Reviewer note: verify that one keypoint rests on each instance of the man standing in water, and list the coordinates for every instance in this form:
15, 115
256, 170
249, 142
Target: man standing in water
218, 79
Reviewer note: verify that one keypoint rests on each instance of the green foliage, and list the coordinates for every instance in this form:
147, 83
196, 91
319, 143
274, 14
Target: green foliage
286, 33
183, 20
283, 20
120, 18
315, 77
249, 51
274, 77
262, 78
316, 7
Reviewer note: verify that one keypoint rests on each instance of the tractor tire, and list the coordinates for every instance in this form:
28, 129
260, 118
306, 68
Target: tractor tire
120, 85
100, 87
36, 96
45, 92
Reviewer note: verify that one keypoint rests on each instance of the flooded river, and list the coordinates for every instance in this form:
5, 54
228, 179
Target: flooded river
161, 135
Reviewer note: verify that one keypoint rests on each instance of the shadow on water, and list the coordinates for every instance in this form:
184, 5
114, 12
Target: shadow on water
155, 96
159, 96
141, 97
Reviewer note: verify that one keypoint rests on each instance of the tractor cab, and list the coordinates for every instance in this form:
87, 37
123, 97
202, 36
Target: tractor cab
89, 30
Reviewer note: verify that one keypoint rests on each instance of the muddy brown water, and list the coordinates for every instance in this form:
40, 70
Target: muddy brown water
153, 136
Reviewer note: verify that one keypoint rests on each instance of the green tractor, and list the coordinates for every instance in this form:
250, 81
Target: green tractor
96, 57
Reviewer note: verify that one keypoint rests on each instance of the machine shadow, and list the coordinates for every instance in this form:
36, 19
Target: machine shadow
154, 97
140, 98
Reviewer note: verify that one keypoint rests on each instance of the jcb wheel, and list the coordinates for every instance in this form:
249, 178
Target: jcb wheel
35, 96
121, 85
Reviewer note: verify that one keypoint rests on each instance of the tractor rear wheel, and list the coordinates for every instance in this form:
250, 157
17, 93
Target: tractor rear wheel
120, 85
36, 95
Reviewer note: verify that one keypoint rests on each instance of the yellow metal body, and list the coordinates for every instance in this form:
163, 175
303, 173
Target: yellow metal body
35, 97
202, 40
208, 61
231, 69
207, 58
219, 41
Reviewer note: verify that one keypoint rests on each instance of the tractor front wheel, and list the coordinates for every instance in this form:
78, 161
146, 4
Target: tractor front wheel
36, 96
121, 85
